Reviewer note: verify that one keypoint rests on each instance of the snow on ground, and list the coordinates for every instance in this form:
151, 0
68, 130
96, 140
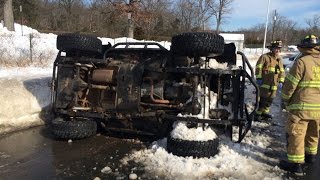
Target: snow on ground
29, 47
255, 158
25, 93
23, 101
234, 161
181, 131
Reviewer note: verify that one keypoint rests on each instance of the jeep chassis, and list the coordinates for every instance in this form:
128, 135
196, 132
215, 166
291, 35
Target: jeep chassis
141, 87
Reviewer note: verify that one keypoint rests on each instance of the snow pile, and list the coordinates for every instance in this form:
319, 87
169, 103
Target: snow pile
18, 30
23, 102
181, 131
206, 105
230, 163
259, 139
203, 98
246, 160
24, 73
29, 47
215, 65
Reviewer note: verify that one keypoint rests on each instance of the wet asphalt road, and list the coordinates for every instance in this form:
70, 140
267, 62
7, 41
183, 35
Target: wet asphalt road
34, 154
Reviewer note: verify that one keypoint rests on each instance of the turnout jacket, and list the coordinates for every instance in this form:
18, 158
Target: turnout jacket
270, 69
301, 90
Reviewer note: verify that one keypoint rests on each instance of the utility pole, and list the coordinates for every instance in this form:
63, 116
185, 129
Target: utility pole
274, 23
130, 18
21, 20
130, 25
132, 7
266, 28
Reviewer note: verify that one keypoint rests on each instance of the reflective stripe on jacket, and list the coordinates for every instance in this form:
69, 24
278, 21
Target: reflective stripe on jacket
270, 69
301, 90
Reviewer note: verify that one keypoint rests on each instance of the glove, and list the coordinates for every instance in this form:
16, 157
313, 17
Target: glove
259, 82
280, 86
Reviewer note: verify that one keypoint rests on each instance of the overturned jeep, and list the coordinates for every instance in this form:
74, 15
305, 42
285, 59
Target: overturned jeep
143, 88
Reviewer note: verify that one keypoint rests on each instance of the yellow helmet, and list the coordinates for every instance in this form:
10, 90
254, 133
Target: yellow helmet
310, 41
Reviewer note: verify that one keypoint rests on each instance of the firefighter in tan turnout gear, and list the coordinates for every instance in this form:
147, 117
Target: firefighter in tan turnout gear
269, 76
301, 97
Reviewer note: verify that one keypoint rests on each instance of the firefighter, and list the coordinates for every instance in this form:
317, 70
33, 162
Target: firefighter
301, 97
269, 76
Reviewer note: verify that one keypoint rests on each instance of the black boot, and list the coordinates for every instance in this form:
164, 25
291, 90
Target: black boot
310, 158
267, 116
294, 168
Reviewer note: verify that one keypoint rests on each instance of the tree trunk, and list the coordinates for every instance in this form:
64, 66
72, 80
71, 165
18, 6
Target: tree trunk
8, 15
218, 22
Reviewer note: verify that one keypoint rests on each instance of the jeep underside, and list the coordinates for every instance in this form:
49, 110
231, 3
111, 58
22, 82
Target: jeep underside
141, 87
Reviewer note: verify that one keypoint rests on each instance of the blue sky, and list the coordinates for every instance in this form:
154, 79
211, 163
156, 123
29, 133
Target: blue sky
247, 13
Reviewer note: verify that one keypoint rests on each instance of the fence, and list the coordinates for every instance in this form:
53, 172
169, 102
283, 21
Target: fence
31, 49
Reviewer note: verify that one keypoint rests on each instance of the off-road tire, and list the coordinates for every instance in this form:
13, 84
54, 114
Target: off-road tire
75, 129
197, 44
70, 42
197, 149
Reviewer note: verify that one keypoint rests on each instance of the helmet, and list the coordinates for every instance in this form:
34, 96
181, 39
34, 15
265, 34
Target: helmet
275, 44
309, 41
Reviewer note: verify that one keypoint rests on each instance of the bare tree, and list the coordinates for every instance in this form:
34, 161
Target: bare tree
194, 15
204, 12
153, 18
284, 29
71, 13
8, 15
253, 36
314, 24
48, 21
108, 17
185, 13
222, 9
1, 9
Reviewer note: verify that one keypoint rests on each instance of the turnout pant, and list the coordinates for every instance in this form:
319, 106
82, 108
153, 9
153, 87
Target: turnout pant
302, 137
264, 105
